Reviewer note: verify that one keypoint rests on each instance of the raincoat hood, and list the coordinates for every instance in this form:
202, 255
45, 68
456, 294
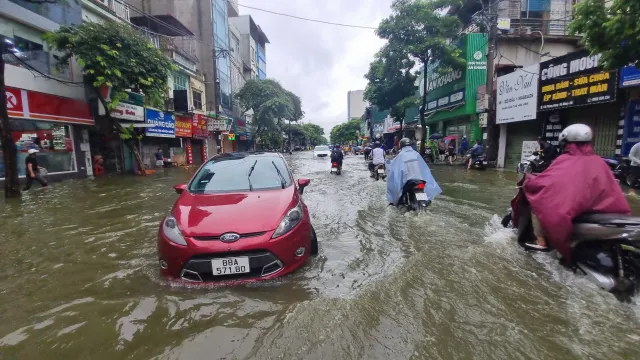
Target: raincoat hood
409, 165
577, 182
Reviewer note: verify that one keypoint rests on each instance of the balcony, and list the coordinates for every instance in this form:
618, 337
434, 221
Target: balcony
119, 8
42, 61
548, 27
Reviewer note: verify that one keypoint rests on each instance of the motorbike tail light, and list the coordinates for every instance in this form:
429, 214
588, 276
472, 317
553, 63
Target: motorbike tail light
420, 186
335, 164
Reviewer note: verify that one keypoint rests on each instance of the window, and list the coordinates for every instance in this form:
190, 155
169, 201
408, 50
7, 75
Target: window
54, 142
180, 82
197, 99
230, 173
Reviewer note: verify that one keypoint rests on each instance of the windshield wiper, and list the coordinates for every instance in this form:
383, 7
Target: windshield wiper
249, 175
282, 180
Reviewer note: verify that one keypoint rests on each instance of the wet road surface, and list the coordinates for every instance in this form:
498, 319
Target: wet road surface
80, 280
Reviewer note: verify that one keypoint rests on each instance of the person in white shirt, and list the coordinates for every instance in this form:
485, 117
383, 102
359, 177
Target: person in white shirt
377, 155
634, 155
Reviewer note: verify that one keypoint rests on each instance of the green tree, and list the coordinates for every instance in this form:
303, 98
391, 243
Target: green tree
314, 134
610, 28
115, 56
345, 132
422, 31
391, 83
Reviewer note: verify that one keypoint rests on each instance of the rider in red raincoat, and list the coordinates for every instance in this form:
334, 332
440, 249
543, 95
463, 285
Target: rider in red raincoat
577, 182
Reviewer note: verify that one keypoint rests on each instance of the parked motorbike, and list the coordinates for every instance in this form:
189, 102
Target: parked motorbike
414, 198
622, 171
336, 168
533, 164
605, 248
379, 171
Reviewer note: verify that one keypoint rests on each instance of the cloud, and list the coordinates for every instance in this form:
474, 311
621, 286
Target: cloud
320, 62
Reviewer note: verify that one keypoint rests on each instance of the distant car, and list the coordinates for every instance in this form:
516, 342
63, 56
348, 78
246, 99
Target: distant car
297, 148
240, 218
321, 151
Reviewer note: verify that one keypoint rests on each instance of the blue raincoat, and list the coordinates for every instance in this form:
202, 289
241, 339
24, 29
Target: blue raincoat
409, 165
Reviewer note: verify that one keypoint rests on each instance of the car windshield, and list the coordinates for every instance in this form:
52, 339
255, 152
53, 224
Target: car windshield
322, 148
231, 174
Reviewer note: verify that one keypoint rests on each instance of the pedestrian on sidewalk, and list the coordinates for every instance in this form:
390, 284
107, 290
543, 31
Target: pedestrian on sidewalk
33, 170
159, 158
442, 149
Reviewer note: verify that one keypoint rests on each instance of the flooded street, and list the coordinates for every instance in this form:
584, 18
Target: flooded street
81, 280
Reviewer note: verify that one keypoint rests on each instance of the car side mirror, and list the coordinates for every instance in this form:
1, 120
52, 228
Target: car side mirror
180, 188
303, 183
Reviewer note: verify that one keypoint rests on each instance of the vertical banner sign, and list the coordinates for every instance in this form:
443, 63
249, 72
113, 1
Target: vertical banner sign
189, 152
631, 127
575, 79
204, 151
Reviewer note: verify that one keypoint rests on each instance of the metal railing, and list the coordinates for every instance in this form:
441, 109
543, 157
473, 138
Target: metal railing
120, 8
559, 27
40, 61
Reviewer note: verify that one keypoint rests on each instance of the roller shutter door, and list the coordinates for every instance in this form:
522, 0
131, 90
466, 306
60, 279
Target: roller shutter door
517, 133
603, 120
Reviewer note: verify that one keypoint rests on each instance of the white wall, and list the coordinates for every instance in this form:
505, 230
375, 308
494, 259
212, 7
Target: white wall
356, 104
22, 78
515, 52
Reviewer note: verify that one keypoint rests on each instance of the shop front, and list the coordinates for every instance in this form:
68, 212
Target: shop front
159, 135
516, 113
451, 96
243, 137
53, 125
199, 138
215, 126
184, 130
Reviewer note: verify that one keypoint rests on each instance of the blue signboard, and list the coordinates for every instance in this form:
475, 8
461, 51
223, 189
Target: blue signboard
164, 124
629, 76
631, 127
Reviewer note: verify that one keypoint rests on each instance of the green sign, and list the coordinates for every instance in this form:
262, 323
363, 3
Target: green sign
232, 136
453, 94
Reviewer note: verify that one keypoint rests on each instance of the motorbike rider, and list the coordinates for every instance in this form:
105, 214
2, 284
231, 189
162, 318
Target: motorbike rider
548, 150
337, 156
408, 165
377, 155
475, 152
577, 182
367, 151
634, 156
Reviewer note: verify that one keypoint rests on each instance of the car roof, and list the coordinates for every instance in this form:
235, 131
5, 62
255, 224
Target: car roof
247, 154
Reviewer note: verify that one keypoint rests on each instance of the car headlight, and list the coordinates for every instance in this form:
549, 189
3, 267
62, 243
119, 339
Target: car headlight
171, 231
290, 220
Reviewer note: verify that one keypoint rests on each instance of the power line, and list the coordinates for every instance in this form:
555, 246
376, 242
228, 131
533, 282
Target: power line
37, 73
307, 19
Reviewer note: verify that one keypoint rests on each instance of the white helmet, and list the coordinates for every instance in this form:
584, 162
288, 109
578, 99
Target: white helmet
576, 133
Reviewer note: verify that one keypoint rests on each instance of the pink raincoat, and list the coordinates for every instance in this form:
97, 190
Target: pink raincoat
577, 182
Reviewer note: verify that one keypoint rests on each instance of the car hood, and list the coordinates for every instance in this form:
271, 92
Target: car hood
247, 212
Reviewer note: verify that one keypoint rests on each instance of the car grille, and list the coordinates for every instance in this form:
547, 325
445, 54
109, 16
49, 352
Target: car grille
261, 263
217, 237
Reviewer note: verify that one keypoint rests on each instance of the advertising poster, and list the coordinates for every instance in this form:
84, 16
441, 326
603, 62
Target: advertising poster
164, 124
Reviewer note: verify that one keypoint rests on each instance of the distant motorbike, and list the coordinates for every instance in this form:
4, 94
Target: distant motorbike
428, 155
479, 162
413, 196
606, 247
336, 168
379, 172
533, 164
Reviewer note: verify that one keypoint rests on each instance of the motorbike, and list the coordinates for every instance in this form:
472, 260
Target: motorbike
533, 164
479, 162
428, 155
379, 171
413, 196
622, 171
336, 168
605, 247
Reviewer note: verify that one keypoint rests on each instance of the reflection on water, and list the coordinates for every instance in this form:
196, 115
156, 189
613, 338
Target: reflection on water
81, 280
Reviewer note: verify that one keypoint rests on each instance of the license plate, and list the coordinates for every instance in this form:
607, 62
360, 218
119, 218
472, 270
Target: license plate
232, 265
484, 162
380, 171
334, 169
421, 196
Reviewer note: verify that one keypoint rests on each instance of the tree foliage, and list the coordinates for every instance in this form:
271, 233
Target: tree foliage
270, 102
610, 28
420, 31
345, 132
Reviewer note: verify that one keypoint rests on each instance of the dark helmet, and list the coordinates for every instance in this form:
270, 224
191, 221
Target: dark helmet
377, 144
337, 146
405, 142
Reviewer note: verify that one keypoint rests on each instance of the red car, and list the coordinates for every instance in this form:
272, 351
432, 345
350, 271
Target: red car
241, 217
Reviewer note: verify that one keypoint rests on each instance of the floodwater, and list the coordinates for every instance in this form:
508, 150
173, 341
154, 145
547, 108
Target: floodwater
80, 280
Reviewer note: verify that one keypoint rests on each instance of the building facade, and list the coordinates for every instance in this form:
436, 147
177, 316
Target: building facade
355, 104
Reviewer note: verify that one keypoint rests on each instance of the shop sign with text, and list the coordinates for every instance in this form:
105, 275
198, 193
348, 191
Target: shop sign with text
629, 76
164, 124
125, 111
26, 104
575, 79
517, 95
183, 126
200, 126
631, 134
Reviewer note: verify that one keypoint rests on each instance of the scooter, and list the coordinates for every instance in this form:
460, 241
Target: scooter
413, 196
379, 171
336, 168
428, 155
605, 247
533, 164
478, 163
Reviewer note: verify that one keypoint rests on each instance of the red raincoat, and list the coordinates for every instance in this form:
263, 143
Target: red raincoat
577, 182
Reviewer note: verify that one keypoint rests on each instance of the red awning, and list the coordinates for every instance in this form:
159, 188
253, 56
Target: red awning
33, 105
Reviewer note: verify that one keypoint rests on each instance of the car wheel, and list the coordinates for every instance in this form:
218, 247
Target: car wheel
314, 243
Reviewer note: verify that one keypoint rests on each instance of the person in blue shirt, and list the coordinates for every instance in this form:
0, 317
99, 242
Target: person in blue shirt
476, 151
464, 146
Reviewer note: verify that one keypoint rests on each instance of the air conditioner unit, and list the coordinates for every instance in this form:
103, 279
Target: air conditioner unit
168, 104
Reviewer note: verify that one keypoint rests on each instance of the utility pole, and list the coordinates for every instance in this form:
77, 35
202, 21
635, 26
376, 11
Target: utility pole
493, 130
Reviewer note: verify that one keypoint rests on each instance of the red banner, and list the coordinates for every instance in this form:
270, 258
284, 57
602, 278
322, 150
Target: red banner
200, 126
189, 153
41, 106
183, 126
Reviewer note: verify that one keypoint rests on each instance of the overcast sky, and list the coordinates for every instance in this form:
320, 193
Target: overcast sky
320, 62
